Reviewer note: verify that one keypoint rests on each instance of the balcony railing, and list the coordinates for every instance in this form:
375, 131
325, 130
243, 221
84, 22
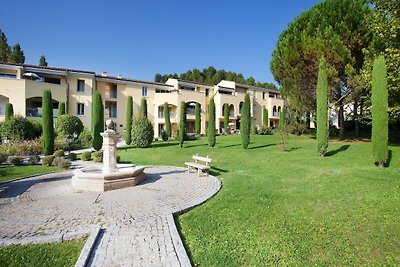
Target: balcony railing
37, 112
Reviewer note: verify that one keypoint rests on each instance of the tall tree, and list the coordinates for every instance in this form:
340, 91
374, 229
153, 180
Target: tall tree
245, 122
47, 123
182, 123
282, 119
226, 117
251, 81
97, 121
9, 111
211, 123
61, 108
17, 55
265, 117
167, 119
129, 118
143, 108
42, 61
379, 100
322, 109
197, 123
5, 49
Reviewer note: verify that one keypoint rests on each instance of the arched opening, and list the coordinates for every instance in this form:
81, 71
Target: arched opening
240, 107
274, 113
34, 107
231, 111
190, 108
3, 101
279, 111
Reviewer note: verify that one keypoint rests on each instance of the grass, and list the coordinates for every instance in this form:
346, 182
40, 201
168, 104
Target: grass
9, 172
59, 254
289, 208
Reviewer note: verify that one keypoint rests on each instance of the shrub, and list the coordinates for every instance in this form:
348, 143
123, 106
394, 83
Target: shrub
164, 135
33, 160
129, 114
47, 160
211, 123
84, 140
61, 109
48, 128
86, 156
68, 125
264, 130
57, 161
142, 132
27, 147
16, 160
58, 153
18, 128
265, 117
322, 109
64, 164
245, 122
98, 156
254, 129
3, 157
72, 156
37, 129
98, 121
182, 123
9, 111
60, 143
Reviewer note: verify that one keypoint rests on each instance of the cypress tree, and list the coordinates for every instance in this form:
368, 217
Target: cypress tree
97, 121
197, 123
143, 108
182, 123
211, 123
129, 115
282, 119
226, 117
9, 111
245, 122
47, 123
61, 108
167, 119
379, 99
322, 109
265, 117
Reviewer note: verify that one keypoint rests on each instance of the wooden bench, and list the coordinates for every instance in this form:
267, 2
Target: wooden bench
196, 165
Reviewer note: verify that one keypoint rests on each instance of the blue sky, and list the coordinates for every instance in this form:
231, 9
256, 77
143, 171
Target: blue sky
140, 38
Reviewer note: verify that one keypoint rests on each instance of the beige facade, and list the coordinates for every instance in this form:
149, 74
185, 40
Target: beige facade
23, 86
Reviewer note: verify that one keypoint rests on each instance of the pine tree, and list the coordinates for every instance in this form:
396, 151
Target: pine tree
379, 99
129, 117
322, 109
5, 49
226, 117
211, 123
197, 123
265, 117
143, 108
9, 111
245, 122
42, 61
182, 123
17, 55
97, 121
167, 119
47, 123
61, 109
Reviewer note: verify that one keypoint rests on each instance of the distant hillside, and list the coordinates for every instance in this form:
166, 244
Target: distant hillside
211, 75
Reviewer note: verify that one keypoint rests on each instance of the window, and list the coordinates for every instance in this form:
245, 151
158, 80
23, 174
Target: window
188, 88
81, 109
81, 86
144, 91
254, 94
114, 91
264, 95
160, 112
254, 109
207, 92
6, 75
52, 80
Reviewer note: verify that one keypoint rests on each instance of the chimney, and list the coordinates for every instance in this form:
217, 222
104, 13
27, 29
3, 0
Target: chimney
119, 76
104, 74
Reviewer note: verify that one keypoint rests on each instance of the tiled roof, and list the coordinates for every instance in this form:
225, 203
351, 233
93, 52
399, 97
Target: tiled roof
186, 81
131, 80
257, 87
49, 68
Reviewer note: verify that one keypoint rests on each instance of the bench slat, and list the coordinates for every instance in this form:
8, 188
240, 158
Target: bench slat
208, 160
197, 165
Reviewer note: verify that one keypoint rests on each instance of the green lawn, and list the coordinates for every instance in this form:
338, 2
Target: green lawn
9, 172
52, 255
289, 208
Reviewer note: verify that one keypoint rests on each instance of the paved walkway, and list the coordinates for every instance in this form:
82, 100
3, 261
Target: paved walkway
137, 227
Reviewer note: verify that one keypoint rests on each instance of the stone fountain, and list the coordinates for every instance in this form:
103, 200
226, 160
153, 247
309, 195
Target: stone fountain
112, 175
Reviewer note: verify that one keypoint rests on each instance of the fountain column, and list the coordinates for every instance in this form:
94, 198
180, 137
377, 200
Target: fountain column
109, 149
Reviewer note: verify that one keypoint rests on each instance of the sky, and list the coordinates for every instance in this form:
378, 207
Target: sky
138, 39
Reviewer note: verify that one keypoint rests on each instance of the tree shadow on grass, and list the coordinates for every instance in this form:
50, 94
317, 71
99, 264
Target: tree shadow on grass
293, 148
390, 154
334, 152
229, 146
165, 144
214, 171
261, 146
187, 146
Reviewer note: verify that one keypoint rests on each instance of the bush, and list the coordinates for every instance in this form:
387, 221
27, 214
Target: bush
68, 125
86, 156
298, 129
72, 156
37, 128
3, 157
18, 128
57, 161
84, 139
142, 132
64, 164
33, 160
164, 136
98, 156
22, 148
254, 129
47, 160
58, 153
16, 160
264, 130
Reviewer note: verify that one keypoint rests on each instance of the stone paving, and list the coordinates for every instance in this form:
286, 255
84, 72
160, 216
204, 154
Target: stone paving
137, 227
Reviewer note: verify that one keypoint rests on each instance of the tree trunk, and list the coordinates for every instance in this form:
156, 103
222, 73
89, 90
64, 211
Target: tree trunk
357, 123
341, 121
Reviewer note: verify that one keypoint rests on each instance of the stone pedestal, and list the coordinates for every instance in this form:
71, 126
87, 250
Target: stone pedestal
109, 151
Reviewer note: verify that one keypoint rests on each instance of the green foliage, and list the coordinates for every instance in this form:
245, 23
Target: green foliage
97, 121
379, 99
68, 125
15, 160
47, 160
5, 49
283, 129
72, 156
98, 156
48, 125
167, 120
322, 110
245, 122
84, 140
43, 63
164, 135
197, 122
3, 157
17, 55
86, 156
265, 117
61, 109
58, 153
142, 132
143, 108
9, 111
33, 160
37, 127
226, 118
211, 123
64, 163
129, 118
264, 130
18, 128
22, 148
182, 123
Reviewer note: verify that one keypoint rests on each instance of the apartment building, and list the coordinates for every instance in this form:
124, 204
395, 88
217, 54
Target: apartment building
23, 86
